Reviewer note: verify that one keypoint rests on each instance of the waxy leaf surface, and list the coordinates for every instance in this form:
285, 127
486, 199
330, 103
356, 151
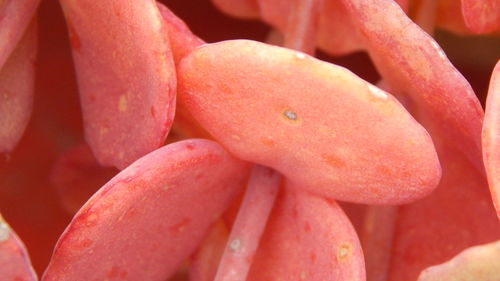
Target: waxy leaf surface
481, 16
491, 137
414, 66
456, 216
182, 42
318, 124
15, 17
149, 218
126, 76
247, 230
308, 238
14, 260
479, 263
17, 85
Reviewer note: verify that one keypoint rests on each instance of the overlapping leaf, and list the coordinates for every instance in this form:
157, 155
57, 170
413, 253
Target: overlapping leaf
126, 76
149, 218
319, 125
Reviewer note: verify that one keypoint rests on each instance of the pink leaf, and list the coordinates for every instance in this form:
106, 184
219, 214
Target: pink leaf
479, 263
126, 76
482, 16
491, 137
412, 64
321, 126
17, 85
308, 238
14, 260
149, 218
15, 17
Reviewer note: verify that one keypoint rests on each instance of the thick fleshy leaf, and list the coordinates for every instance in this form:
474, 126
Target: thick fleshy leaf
149, 218
182, 42
302, 25
14, 260
15, 17
456, 216
318, 124
205, 261
247, 230
491, 137
479, 263
308, 238
412, 64
126, 76
76, 175
17, 85
481, 16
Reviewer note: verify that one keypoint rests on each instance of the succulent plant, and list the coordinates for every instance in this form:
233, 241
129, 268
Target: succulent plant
253, 159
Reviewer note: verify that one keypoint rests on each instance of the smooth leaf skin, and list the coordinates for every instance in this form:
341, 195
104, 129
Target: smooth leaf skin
15, 264
479, 263
456, 216
247, 229
366, 147
491, 137
481, 16
76, 175
17, 86
413, 65
28, 201
149, 218
307, 238
15, 17
126, 76
182, 42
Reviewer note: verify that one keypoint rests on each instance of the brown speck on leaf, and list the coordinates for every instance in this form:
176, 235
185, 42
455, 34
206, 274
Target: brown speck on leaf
343, 251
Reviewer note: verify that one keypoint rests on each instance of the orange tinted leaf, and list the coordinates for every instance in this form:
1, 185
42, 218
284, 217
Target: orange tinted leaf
14, 260
17, 86
318, 124
126, 76
308, 238
412, 64
149, 218
491, 138
249, 225
481, 16
479, 263
15, 17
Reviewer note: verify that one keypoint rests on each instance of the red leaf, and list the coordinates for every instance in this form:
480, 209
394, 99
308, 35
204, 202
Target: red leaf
17, 85
491, 137
318, 124
149, 218
126, 76
308, 238
15, 264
